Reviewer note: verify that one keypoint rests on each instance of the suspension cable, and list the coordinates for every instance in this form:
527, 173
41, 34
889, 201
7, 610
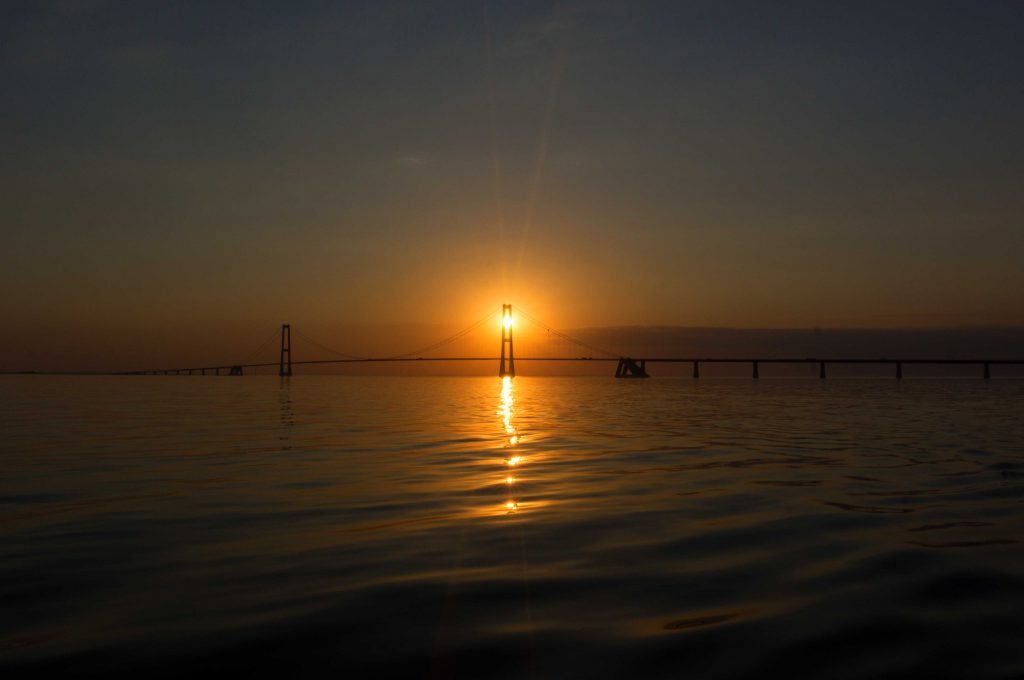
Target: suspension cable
325, 348
566, 336
440, 343
450, 339
255, 353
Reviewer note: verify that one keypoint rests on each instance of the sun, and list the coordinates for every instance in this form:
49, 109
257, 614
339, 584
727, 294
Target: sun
508, 320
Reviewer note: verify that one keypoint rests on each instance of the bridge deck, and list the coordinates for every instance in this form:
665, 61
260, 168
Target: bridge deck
679, 360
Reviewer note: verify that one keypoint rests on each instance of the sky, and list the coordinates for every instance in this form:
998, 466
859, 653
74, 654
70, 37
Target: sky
179, 178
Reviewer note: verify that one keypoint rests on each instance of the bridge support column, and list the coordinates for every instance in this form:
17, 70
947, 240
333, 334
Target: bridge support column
821, 370
899, 370
988, 373
285, 368
235, 370
506, 339
696, 369
629, 368
756, 376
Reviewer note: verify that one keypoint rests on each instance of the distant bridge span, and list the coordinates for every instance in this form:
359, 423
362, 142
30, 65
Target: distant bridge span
627, 367
238, 369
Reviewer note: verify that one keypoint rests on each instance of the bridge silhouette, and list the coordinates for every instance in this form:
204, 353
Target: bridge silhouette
627, 366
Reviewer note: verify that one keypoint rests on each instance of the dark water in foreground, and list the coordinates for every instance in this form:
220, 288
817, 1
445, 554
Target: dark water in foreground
459, 527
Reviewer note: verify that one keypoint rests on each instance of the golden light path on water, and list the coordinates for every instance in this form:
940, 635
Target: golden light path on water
512, 459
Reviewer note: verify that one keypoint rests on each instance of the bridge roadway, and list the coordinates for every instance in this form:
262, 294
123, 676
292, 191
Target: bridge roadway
695, 361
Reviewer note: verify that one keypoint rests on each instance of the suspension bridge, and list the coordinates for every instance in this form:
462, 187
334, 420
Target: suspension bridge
626, 366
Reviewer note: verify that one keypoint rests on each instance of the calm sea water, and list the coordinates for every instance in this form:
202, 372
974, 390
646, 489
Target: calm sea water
470, 527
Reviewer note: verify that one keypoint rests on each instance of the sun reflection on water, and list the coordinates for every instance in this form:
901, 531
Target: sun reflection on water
511, 439
505, 411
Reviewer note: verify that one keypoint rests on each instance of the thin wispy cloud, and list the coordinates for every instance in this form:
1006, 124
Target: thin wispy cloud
411, 161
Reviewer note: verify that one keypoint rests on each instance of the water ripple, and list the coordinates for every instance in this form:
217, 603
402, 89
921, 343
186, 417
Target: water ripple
538, 527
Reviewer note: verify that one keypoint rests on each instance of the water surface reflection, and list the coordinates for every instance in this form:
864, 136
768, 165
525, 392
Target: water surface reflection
511, 438
845, 529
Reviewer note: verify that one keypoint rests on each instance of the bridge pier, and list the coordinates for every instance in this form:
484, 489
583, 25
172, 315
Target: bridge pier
821, 371
235, 370
899, 370
628, 368
696, 369
988, 374
756, 376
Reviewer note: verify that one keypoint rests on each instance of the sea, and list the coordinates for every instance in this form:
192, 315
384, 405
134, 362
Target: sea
479, 527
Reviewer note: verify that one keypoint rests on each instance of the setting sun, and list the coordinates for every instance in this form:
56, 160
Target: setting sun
763, 411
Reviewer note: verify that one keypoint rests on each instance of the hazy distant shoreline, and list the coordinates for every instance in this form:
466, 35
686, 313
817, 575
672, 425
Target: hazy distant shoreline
970, 343
925, 343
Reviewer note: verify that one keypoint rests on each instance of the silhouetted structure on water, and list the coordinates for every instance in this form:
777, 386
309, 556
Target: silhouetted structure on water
627, 367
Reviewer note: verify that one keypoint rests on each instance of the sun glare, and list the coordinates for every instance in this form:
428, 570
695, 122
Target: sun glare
508, 321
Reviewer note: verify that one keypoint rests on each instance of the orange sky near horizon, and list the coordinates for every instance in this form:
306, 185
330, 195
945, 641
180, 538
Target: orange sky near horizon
182, 179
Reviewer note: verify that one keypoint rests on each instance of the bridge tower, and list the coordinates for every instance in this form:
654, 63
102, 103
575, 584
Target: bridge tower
506, 339
285, 369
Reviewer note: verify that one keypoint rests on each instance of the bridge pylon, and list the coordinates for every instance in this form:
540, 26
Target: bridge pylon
506, 339
285, 369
